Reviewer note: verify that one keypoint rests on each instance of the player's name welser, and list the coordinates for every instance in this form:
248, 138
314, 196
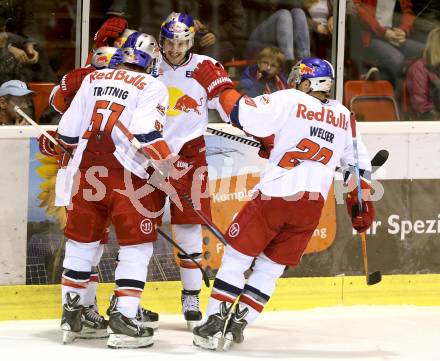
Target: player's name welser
239, 196
123, 75
325, 115
111, 91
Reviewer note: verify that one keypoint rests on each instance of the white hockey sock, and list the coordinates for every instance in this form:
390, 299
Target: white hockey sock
189, 237
89, 298
130, 276
260, 286
90, 294
229, 282
77, 265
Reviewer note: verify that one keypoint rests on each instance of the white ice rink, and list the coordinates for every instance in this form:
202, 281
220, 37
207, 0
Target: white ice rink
339, 333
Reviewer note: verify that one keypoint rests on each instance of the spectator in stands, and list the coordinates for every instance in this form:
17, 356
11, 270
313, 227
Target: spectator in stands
284, 28
219, 24
24, 48
10, 68
427, 17
320, 18
423, 79
266, 76
12, 93
385, 36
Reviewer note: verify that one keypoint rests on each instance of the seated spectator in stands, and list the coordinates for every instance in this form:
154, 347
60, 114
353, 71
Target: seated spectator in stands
12, 93
385, 36
10, 68
25, 49
320, 18
266, 76
284, 28
423, 80
219, 27
427, 18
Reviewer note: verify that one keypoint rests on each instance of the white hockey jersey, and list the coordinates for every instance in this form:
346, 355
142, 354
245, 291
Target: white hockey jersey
187, 115
311, 139
135, 99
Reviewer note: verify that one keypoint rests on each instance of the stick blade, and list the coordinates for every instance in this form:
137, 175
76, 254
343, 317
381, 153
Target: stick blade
380, 158
374, 278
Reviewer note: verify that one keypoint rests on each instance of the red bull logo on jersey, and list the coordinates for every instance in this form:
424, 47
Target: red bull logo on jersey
324, 115
186, 104
123, 75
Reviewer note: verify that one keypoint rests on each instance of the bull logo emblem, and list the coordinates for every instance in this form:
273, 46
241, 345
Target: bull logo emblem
185, 103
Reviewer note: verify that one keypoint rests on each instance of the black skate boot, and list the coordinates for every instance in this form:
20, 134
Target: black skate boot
190, 308
94, 325
235, 327
148, 318
71, 320
209, 335
126, 332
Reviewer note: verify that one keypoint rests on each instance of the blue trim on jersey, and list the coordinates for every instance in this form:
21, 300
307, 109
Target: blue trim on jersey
234, 114
68, 140
147, 138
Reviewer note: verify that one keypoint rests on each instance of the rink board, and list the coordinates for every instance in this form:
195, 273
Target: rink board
43, 302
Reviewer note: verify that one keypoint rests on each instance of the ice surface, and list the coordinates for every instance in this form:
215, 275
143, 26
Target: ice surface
338, 333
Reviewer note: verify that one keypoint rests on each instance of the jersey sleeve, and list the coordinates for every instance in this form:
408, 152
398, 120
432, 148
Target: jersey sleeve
69, 128
148, 120
260, 116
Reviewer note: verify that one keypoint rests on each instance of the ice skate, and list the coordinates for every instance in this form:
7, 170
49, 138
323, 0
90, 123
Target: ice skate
94, 325
71, 320
209, 335
126, 332
148, 318
235, 327
190, 308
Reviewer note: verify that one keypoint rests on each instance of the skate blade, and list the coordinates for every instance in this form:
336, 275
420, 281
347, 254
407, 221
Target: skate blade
92, 333
124, 341
69, 336
191, 324
213, 343
151, 324
228, 341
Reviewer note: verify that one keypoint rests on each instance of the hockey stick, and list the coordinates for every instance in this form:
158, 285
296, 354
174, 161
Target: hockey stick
163, 234
237, 138
212, 227
187, 198
42, 131
169, 239
376, 276
377, 161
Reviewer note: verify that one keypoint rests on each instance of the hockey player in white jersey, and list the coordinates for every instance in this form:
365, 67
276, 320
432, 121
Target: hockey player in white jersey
312, 136
102, 152
185, 125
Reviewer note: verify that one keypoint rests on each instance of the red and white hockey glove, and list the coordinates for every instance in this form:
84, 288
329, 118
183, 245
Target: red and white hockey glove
266, 146
47, 147
213, 77
111, 29
360, 221
71, 82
